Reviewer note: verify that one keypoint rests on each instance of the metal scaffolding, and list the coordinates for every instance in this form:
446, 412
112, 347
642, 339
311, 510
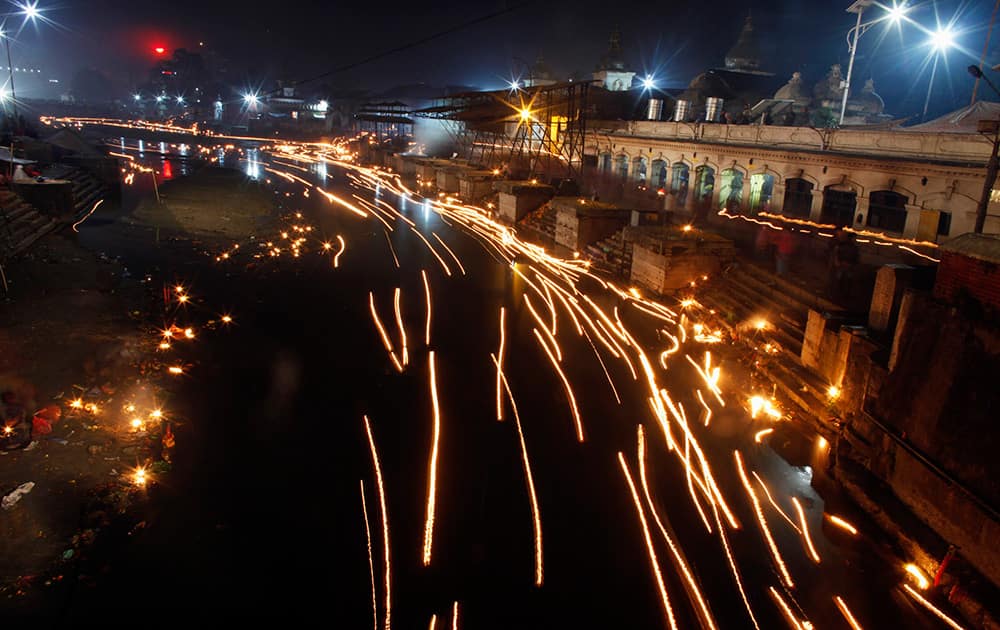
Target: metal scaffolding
386, 121
530, 132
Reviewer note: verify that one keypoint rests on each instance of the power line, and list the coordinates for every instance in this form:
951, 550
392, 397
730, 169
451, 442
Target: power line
414, 44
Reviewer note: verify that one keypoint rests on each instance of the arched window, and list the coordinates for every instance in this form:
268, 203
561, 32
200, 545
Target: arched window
887, 210
679, 182
838, 206
658, 176
731, 189
704, 184
761, 189
798, 198
605, 163
621, 166
639, 170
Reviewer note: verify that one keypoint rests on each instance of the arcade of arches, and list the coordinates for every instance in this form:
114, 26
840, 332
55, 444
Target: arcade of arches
814, 190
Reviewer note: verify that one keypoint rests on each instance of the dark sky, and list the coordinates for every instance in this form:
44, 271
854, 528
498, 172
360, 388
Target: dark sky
677, 39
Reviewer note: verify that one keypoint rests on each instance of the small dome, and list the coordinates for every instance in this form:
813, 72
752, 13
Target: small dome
829, 88
794, 90
705, 85
867, 102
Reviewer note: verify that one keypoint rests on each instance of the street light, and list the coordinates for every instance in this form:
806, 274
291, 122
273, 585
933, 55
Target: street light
894, 14
180, 100
649, 83
136, 97
941, 40
30, 10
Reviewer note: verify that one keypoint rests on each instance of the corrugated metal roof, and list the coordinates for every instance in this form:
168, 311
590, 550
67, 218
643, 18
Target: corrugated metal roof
979, 246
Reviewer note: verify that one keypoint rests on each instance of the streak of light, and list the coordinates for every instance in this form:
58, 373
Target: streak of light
786, 577
669, 351
536, 516
499, 362
805, 531
708, 410
541, 324
690, 484
444, 265
774, 504
346, 204
790, 615
841, 523
392, 250
691, 585
922, 582
653, 313
565, 382
434, 619
402, 328
846, 612
760, 435
385, 524
607, 375
371, 560
733, 568
336, 257
87, 216
709, 374
932, 608
385, 336
432, 466
449, 250
657, 573
175, 370
454, 617
427, 298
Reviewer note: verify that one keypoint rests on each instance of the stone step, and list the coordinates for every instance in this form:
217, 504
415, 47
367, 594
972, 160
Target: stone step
771, 291
807, 297
27, 240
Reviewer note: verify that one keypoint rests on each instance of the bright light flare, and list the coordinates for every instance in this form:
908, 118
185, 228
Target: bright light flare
140, 477
942, 39
918, 576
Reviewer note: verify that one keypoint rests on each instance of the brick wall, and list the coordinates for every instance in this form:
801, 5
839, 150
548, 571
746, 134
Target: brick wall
978, 278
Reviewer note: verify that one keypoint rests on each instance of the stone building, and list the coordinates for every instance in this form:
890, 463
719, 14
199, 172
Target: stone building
915, 184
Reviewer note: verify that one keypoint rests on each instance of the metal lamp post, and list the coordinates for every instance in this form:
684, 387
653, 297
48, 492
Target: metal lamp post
991, 127
895, 14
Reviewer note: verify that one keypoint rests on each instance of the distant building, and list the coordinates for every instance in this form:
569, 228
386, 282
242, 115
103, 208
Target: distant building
612, 73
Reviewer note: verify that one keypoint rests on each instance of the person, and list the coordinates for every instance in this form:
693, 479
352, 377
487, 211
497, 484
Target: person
784, 247
843, 257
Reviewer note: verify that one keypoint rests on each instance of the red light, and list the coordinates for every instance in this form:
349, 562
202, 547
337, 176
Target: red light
159, 50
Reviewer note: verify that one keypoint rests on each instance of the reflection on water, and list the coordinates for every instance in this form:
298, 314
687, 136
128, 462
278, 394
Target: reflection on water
253, 165
320, 169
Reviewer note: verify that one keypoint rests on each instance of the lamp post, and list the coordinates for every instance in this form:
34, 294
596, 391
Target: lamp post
895, 14
993, 165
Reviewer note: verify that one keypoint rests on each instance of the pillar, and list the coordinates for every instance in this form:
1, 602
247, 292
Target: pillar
816, 209
860, 209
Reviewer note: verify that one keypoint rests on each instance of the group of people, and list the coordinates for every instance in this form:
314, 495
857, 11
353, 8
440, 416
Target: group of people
842, 261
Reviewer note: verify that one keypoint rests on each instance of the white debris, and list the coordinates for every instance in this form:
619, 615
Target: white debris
15, 496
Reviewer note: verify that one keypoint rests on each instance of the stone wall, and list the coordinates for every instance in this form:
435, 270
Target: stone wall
936, 172
980, 279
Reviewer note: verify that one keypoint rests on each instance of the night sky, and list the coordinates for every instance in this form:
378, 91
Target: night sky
676, 40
